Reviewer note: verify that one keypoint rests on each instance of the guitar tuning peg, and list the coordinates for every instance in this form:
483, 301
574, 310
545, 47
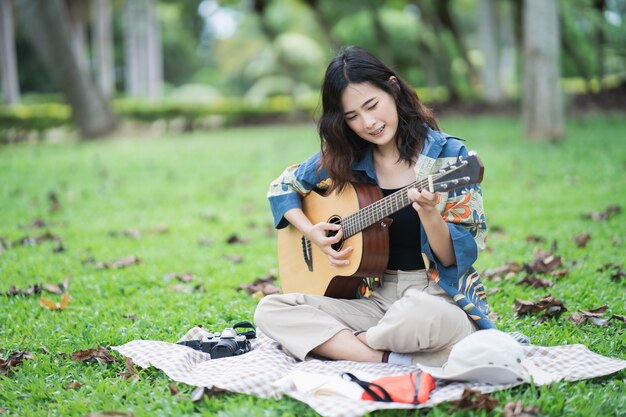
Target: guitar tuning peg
471, 153
460, 158
450, 163
442, 171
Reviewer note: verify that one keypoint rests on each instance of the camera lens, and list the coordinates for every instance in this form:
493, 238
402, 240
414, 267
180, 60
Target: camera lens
224, 349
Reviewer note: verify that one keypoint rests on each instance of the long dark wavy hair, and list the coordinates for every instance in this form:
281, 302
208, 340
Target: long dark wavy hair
340, 146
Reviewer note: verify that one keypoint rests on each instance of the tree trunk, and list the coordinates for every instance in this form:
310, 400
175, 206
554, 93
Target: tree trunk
155, 54
570, 50
132, 48
324, 24
509, 48
384, 50
542, 105
48, 30
143, 56
76, 9
440, 56
600, 6
8, 60
442, 8
486, 21
102, 41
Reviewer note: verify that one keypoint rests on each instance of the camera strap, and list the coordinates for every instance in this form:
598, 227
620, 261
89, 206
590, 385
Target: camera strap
249, 334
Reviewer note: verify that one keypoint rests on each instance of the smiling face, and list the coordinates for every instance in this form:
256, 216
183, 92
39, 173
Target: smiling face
371, 113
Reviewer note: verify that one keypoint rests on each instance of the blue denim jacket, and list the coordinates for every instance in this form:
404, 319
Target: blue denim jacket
463, 213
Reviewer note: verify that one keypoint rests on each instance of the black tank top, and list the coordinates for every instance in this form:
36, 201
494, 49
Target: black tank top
404, 239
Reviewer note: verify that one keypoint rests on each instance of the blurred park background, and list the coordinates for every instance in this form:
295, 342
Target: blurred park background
165, 224
97, 66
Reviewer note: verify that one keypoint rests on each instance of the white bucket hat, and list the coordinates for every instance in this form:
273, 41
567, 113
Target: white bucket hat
489, 356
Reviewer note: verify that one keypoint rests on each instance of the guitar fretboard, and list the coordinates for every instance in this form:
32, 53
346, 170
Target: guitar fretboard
377, 211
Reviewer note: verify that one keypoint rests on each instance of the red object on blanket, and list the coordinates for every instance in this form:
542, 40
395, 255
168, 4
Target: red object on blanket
410, 388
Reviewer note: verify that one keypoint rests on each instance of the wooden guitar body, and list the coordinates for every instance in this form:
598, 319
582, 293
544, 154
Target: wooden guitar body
306, 269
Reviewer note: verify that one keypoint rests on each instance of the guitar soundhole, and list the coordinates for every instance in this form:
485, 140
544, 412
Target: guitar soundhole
335, 220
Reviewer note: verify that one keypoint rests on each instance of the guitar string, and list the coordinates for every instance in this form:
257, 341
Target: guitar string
366, 216
355, 220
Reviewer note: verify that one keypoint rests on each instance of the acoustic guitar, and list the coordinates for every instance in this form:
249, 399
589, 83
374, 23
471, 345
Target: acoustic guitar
363, 214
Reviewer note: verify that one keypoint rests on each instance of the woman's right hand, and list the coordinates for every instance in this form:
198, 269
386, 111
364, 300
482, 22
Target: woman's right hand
319, 235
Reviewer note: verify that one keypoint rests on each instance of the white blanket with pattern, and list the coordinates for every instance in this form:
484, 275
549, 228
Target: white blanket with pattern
262, 371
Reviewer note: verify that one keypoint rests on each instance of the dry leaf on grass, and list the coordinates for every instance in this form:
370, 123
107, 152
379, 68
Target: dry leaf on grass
261, 286
120, 263
619, 317
38, 223
55, 203
200, 392
187, 289
173, 389
234, 239
15, 359
35, 240
3, 245
609, 212
496, 228
100, 355
205, 241
546, 262
32, 290
59, 248
505, 271
135, 233
517, 409
617, 273
73, 385
544, 265
132, 233
51, 305
59, 288
58, 355
535, 239
594, 316
159, 230
535, 282
582, 239
182, 277
474, 400
131, 372
235, 259
549, 305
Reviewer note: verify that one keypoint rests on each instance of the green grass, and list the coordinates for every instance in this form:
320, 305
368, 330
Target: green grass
211, 186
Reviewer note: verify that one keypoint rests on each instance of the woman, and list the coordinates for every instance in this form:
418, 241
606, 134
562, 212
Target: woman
374, 129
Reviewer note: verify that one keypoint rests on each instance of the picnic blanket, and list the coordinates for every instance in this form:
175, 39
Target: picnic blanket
264, 371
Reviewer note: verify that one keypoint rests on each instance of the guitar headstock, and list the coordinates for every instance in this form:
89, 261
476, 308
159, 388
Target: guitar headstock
464, 171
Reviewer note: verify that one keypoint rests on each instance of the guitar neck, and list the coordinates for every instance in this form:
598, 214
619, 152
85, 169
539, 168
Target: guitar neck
376, 212
462, 173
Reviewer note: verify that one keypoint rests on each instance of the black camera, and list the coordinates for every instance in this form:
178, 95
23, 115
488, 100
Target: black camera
225, 344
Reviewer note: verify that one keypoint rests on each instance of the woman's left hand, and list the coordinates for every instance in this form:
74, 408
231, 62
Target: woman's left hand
424, 202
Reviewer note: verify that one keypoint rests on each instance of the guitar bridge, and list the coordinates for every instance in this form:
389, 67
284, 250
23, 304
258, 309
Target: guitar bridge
307, 253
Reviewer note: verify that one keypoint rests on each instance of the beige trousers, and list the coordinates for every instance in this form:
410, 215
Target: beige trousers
408, 313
